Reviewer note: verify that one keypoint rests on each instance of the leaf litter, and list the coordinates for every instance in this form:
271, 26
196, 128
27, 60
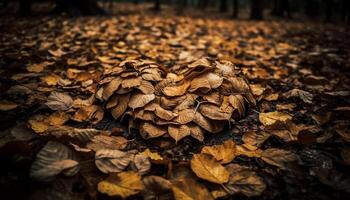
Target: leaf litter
215, 109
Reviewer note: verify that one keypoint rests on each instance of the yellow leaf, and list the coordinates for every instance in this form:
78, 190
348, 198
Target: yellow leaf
224, 153
58, 118
151, 155
206, 167
273, 117
123, 184
188, 189
51, 79
38, 126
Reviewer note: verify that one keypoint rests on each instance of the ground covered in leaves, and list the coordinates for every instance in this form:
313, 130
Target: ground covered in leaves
169, 107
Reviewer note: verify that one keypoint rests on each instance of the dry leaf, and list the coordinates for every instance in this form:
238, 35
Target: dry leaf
149, 130
99, 142
278, 157
123, 184
271, 118
178, 132
141, 164
54, 158
58, 118
139, 100
206, 167
303, 95
243, 180
223, 153
59, 101
151, 155
177, 90
7, 105
111, 161
186, 189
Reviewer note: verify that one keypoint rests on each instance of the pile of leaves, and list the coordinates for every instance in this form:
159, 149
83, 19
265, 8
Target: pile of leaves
199, 96
168, 107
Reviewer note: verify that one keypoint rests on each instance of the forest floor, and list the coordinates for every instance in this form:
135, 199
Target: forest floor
59, 140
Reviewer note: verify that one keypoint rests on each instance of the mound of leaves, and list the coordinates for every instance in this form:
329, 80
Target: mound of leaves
196, 97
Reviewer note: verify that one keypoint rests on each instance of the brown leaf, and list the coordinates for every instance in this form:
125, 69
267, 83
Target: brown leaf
123, 184
157, 187
223, 153
271, 118
185, 189
177, 90
245, 181
59, 101
185, 116
303, 95
54, 158
110, 88
139, 100
7, 105
146, 87
178, 132
238, 103
121, 107
58, 118
99, 142
206, 82
149, 130
164, 114
206, 167
278, 157
214, 112
111, 161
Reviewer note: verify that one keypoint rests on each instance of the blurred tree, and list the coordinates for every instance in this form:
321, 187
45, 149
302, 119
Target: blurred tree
78, 7
345, 11
312, 8
25, 7
329, 10
156, 5
281, 8
235, 9
223, 5
256, 10
203, 4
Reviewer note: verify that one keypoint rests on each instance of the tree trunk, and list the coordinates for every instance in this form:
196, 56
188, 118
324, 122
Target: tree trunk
235, 9
281, 8
78, 7
25, 7
329, 10
311, 8
223, 6
156, 5
257, 8
203, 4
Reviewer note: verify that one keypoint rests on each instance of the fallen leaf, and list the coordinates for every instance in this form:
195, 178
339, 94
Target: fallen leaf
223, 153
123, 184
111, 161
59, 101
273, 117
178, 132
54, 158
7, 105
245, 181
151, 155
189, 189
278, 157
139, 100
206, 167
